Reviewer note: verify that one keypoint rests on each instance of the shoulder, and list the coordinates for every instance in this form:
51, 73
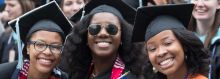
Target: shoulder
199, 76
7, 69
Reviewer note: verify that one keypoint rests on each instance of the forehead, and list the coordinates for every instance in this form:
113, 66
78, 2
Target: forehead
46, 36
166, 34
104, 17
11, 1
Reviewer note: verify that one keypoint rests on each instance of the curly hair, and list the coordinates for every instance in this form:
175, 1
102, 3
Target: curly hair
79, 54
197, 60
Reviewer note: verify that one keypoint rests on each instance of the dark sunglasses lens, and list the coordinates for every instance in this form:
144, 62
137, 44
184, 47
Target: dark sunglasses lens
94, 29
112, 29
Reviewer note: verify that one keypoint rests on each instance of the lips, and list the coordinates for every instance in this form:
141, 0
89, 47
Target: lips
103, 44
164, 64
45, 62
200, 11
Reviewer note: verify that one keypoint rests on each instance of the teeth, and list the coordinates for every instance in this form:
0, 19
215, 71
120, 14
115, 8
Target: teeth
201, 11
103, 44
165, 62
45, 61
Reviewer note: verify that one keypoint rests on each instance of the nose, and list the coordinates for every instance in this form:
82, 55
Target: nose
103, 33
76, 7
162, 51
199, 3
47, 51
7, 8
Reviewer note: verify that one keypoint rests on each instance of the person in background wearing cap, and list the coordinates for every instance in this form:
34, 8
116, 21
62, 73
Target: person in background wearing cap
205, 24
43, 37
99, 47
70, 7
174, 52
13, 9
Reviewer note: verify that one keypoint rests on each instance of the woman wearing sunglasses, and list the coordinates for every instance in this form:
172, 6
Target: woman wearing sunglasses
43, 37
99, 47
173, 51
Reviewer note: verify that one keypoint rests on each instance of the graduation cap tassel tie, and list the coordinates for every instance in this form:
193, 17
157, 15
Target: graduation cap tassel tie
20, 56
83, 13
140, 3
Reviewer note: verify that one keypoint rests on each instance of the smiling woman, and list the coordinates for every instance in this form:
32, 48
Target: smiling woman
99, 47
173, 51
205, 24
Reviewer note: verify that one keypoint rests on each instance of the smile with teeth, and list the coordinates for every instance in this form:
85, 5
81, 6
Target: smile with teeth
103, 44
45, 61
166, 63
200, 11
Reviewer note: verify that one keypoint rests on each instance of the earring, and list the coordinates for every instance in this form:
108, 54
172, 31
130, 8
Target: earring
186, 57
155, 70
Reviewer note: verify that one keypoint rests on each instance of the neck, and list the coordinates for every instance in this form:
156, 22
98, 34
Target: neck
101, 64
204, 26
179, 74
35, 74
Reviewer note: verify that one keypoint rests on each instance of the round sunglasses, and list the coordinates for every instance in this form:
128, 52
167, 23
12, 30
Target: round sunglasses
94, 29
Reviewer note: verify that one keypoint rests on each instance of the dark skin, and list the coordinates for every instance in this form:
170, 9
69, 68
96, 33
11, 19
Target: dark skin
104, 46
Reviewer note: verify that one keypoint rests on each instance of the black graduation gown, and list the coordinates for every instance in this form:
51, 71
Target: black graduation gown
215, 61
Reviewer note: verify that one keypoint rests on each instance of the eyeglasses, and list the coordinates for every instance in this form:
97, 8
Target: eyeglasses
94, 29
42, 46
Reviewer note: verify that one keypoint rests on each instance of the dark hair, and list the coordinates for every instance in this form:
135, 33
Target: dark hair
197, 60
78, 53
212, 32
26, 5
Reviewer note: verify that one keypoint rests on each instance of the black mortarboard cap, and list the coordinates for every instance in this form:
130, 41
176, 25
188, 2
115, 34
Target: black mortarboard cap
150, 21
127, 12
47, 17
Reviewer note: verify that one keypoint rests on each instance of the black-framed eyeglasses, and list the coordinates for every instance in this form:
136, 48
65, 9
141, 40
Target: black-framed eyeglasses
94, 29
42, 46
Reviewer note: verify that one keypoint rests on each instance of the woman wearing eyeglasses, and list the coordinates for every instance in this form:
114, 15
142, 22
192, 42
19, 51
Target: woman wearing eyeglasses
43, 39
99, 47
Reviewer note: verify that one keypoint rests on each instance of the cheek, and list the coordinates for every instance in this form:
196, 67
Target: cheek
152, 59
58, 58
66, 8
90, 40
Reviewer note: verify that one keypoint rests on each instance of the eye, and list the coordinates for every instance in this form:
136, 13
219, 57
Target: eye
40, 45
112, 29
56, 47
168, 42
68, 3
79, 2
151, 49
94, 29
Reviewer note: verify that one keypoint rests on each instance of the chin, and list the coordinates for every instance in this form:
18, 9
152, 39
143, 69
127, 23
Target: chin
104, 54
168, 72
44, 69
201, 17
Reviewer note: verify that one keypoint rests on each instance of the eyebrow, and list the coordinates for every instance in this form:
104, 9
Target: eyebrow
165, 37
